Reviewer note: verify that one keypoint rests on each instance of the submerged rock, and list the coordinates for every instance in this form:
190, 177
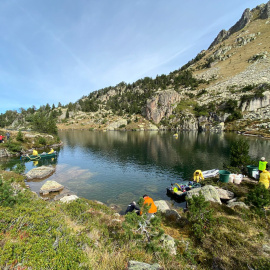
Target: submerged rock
50, 186
40, 172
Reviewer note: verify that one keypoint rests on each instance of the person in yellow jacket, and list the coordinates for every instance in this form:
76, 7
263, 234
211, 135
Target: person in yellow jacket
263, 165
265, 178
149, 202
197, 176
51, 151
35, 152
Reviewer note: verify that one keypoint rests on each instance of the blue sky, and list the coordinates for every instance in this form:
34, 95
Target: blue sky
59, 50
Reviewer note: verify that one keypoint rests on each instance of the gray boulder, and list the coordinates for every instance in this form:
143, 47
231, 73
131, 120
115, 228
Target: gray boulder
240, 204
209, 192
134, 265
50, 186
40, 172
168, 243
162, 206
172, 214
68, 199
225, 194
266, 249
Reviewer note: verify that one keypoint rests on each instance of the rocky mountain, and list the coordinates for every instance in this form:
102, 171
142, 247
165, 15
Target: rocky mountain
226, 87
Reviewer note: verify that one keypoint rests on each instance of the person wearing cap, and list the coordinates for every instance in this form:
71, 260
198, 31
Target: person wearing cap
263, 165
132, 206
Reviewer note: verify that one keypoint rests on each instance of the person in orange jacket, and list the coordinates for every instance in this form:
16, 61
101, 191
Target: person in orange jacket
149, 202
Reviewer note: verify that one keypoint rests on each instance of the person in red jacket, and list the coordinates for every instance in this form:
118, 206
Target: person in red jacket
1, 138
149, 202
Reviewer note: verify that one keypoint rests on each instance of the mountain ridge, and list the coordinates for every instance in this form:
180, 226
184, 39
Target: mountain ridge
226, 87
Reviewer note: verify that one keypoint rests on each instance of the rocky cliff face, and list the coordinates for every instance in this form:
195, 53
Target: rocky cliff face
264, 13
161, 105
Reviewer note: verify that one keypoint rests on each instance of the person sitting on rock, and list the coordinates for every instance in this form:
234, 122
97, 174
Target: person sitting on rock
51, 151
132, 206
197, 176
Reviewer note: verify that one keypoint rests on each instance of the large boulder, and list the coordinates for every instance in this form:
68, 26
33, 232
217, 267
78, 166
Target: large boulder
40, 172
164, 208
50, 186
209, 192
224, 194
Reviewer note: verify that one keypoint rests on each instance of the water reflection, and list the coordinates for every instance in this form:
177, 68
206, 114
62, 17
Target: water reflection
118, 167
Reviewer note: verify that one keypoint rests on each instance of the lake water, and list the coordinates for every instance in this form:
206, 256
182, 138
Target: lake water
118, 167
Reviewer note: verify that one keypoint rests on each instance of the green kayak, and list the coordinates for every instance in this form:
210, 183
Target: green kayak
39, 156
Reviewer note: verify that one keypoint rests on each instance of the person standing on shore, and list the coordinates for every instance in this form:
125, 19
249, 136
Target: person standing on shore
7, 135
263, 165
197, 176
265, 178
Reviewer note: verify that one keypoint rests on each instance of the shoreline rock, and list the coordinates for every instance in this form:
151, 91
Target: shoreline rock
40, 172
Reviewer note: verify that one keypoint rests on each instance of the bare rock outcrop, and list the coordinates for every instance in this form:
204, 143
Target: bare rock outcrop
161, 105
223, 34
265, 11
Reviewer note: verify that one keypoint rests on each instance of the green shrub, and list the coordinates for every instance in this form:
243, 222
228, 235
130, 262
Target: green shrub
258, 198
19, 137
8, 197
14, 146
200, 216
42, 141
20, 168
239, 156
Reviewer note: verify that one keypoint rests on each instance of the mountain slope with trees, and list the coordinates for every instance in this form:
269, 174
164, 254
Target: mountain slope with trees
226, 87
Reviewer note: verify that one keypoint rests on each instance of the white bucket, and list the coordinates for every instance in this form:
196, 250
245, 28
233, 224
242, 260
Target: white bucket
238, 179
231, 178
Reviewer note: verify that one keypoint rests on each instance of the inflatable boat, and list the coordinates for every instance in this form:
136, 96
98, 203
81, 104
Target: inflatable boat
179, 192
210, 173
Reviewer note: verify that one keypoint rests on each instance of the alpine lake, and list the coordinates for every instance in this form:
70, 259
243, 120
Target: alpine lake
117, 167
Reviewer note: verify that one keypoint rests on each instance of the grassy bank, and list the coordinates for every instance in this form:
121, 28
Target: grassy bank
26, 140
89, 235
